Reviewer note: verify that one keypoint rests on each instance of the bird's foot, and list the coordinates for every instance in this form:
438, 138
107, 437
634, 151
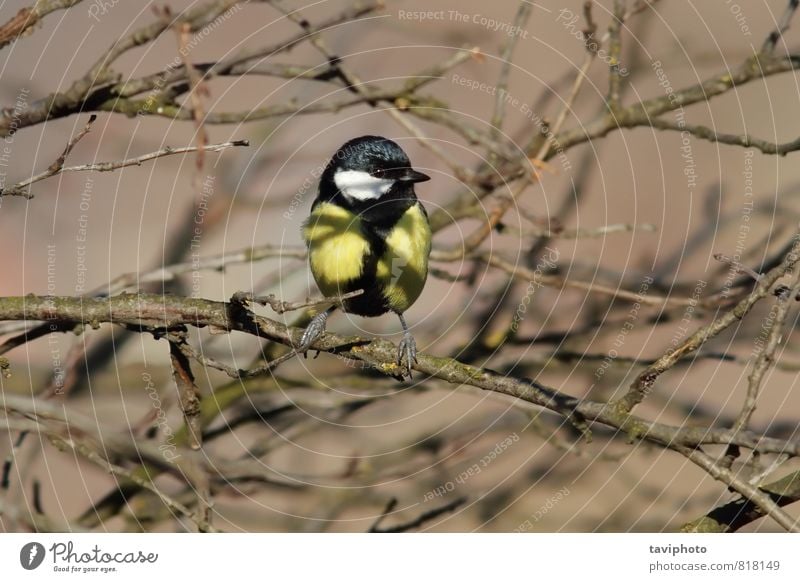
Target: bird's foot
407, 351
313, 332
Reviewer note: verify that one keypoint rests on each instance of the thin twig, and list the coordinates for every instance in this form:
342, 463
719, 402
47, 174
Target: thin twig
742, 140
102, 85
740, 267
614, 53
422, 518
481, 233
55, 168
21, 189
557, 282
386, 511
207, 361
783, 25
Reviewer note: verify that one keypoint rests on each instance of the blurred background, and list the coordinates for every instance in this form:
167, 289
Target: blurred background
322, 445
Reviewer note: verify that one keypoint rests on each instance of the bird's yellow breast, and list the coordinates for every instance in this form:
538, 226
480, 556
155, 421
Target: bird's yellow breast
339, 247
336, 247
403, 268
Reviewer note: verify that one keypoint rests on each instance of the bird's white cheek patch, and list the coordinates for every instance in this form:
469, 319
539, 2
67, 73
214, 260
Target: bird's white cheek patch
361, 185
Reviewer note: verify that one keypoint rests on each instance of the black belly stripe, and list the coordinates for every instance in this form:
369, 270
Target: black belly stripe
371, 303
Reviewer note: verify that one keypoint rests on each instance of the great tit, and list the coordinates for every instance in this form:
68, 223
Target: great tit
368, 231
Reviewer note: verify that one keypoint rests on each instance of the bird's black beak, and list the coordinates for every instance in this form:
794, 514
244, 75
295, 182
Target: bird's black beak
409, 175
402, 175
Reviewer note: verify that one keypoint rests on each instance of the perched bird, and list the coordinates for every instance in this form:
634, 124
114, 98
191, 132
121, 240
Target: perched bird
368, 231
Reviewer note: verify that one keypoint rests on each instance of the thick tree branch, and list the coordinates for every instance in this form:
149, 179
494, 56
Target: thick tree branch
159, 313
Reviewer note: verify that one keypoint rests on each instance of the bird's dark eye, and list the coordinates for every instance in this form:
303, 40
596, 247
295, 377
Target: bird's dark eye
389, 173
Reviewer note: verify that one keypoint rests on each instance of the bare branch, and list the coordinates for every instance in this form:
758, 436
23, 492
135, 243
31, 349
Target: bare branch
66, 429
642, 113
764, 360
743, 140
766, 357
102, 85
644, 382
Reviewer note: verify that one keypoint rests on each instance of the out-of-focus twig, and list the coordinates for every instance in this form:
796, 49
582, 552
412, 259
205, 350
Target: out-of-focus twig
783, 25
418, 521
506, 58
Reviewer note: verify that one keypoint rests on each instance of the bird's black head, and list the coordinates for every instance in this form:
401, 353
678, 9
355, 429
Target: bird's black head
367, 169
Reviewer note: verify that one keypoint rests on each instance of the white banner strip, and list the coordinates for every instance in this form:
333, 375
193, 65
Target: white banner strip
400, 557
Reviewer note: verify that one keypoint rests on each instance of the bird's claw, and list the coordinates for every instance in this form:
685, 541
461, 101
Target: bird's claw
407, 350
